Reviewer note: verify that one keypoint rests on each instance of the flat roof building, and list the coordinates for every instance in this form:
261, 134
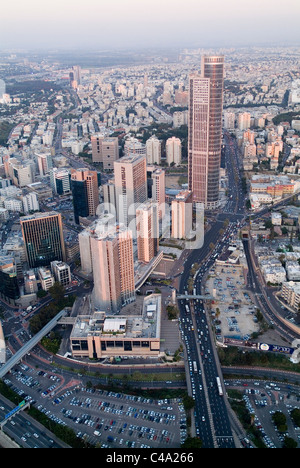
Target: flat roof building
100, 335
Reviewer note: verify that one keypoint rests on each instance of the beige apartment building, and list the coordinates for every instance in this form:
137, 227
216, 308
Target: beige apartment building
182, 215
111, 249
173, 151
105, 150
147, 228
130, 185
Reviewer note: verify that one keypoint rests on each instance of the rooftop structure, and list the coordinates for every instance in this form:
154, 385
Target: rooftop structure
101, 335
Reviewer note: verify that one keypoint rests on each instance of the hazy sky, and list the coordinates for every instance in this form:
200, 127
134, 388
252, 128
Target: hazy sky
103, 24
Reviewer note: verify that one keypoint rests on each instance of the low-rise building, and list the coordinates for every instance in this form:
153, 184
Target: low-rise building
101, 335
61, 272
292, 270
290, 292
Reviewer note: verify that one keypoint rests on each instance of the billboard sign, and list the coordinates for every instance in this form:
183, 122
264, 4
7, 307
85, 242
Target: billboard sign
275, 348
15, 410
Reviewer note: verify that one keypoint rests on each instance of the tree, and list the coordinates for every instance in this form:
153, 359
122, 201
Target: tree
289, 443
57, 292
192, 442
188, 402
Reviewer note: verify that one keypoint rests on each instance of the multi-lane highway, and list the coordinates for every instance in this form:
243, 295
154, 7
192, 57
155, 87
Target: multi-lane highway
211, 416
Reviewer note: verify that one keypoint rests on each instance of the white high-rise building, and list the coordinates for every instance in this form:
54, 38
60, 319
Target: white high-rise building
30, 202
158, 191
182, 215
130, 185
173, 151
153, 149
244, 120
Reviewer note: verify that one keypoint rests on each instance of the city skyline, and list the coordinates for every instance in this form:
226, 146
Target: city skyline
64, 25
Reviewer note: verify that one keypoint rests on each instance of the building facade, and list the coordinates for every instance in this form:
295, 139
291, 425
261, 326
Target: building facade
105, 150
205, 131
84, 185
113, 268
43, 238
130, 185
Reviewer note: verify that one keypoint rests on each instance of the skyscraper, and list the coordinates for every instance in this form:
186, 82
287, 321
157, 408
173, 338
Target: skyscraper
43, 238
205, 131
113, 267
84, 185
130, 185
147, 227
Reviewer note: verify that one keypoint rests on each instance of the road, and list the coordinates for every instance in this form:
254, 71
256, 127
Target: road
263, 301
211, 415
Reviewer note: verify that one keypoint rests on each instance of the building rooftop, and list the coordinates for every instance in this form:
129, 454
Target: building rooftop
145, 325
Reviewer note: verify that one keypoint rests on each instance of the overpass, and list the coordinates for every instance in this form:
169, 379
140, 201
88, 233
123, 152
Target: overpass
32, 343
194, 296
21, 406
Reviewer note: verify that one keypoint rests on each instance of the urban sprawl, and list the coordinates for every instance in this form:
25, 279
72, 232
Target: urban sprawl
150, 241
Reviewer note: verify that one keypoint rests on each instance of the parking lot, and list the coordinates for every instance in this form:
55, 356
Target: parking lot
233, 306
116, 420
101, 417
263, 399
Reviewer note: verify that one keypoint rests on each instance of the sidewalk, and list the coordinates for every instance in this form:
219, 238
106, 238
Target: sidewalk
6, 442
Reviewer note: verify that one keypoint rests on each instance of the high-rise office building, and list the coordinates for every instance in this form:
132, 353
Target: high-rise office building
43, 238
75, 76
44, 161
9, 288
61, 272
205, 131
182, 215
113, 267
147, 228
84, 185
130, 185
156, 180
60, 181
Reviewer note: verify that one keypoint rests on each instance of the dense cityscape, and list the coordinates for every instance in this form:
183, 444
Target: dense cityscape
150, 249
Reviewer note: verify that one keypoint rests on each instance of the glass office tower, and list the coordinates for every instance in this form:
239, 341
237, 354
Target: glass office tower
43, 238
